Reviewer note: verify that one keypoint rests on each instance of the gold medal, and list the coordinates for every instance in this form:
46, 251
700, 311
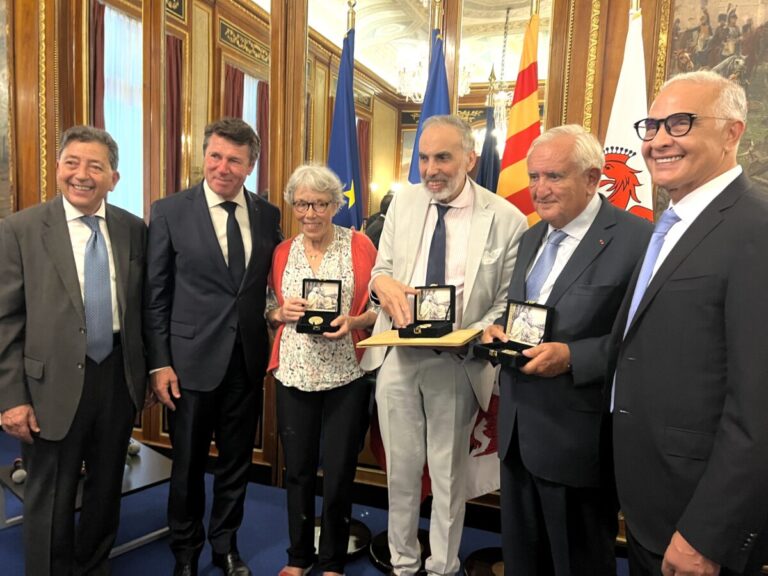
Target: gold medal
420, 327
315, 320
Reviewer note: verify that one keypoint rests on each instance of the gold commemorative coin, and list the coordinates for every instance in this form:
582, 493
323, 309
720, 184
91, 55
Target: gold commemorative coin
315, 320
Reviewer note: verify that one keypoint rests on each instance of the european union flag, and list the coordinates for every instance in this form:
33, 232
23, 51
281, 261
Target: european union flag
343, 153
490, 163
435, 98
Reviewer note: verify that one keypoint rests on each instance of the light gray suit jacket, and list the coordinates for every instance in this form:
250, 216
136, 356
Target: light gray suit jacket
494, 232
42, 318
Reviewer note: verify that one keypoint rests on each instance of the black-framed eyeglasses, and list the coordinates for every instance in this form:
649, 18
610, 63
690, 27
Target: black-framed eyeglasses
677, 124
300, 207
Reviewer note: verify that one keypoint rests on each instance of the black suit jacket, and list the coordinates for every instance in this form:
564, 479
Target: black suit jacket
558, 419
42, 317
690, 421
194, 309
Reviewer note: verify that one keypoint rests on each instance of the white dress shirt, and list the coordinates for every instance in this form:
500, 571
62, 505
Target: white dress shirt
457, 224
689, 208
219, 217
79, 233
576, 229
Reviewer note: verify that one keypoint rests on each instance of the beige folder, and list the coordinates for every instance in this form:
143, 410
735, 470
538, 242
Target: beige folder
390, 338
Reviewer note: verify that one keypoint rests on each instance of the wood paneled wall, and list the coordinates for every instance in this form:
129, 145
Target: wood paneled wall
50, 92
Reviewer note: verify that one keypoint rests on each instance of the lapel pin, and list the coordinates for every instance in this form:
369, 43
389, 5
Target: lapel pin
602, 242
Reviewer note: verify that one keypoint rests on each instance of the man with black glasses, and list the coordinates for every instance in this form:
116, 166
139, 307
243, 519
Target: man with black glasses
689, 392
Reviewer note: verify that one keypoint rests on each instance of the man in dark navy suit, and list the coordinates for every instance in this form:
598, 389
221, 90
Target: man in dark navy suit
209, 252
691, 377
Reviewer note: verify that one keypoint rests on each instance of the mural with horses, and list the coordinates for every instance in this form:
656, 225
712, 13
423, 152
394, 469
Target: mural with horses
732, 40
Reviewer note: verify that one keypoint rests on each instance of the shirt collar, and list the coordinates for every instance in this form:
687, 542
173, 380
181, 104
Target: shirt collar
73, 213
577, 228
693, 203
463, 200
213, 199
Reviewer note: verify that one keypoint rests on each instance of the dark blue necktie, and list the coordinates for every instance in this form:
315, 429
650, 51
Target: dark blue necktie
98, 296
543, 266
436, 261
666, 221
235, 249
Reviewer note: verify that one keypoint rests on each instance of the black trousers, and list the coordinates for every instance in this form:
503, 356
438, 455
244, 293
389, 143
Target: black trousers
340, 416
643, 562
230, 412
548, 529
99, 437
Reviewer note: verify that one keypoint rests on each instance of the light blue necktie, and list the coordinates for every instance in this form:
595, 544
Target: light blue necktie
98, 297
667, 220
543, 265
436, 258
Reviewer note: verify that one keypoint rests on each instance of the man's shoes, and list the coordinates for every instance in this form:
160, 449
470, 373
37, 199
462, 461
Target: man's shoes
231, 564
185, 568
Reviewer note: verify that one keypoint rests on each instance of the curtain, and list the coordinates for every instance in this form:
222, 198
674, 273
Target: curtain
250, 115
364, 145
123, 91
96, 49
263, 127
173, 51
234, 80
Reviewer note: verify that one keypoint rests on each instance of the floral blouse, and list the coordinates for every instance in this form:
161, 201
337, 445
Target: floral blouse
314, 363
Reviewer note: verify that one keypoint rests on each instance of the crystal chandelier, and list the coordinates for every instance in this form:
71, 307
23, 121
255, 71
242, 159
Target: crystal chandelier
498, 97
412, 82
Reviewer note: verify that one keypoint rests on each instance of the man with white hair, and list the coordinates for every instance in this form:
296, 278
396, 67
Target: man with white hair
446, 231
691, 373
558, 505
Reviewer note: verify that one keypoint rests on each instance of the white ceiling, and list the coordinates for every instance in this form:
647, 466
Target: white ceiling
392, 34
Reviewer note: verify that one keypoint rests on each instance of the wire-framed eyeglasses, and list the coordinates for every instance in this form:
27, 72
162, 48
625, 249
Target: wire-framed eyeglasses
676, 125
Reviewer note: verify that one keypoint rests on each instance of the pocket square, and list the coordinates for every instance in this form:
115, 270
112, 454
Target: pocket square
490, 256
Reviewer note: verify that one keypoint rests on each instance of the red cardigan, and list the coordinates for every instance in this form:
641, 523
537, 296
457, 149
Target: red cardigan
363, 259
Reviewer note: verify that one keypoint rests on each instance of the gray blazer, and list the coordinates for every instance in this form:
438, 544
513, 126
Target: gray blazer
494, 232
42, 318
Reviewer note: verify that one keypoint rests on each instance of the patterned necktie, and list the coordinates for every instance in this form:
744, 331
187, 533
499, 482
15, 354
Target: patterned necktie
436, 260
543, 265
234, 245
98, 296
667, 220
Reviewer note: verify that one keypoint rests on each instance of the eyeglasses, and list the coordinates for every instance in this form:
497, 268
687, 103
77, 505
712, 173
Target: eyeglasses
300, 207
677, 124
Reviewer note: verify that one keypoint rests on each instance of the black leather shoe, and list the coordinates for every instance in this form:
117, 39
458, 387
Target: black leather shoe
231, 564
185, 569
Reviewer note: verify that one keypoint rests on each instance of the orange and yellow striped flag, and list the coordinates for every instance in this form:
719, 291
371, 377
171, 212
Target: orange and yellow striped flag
523, 126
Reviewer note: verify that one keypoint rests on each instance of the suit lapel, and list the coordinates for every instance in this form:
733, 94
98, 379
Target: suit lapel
120, 239
526, 253
707, 221
597, 238
479, 228
55, 237
417, 208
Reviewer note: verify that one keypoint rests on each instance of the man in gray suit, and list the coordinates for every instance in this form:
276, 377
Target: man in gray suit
559, 512
427, 400
71, 381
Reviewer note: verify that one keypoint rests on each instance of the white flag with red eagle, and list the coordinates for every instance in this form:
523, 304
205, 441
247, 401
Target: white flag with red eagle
626, 182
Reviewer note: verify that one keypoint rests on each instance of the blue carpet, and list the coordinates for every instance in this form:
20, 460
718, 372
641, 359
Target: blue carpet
263, 537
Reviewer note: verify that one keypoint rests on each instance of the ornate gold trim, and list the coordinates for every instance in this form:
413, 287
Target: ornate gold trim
244, 43
12, 192
589, 87
56, 83
568, 61
42, 102
661, 54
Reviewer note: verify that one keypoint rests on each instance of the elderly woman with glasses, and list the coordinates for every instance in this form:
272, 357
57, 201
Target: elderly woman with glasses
321, 390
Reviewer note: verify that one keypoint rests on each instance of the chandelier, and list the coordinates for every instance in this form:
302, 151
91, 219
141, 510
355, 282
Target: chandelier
498, 96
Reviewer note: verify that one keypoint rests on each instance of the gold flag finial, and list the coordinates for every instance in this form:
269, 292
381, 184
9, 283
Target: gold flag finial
437, 16
535, 5
351, 14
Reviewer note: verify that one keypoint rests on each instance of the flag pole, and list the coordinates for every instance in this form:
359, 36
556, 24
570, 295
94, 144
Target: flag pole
351, 14
635, 5
535, 4
436, 15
